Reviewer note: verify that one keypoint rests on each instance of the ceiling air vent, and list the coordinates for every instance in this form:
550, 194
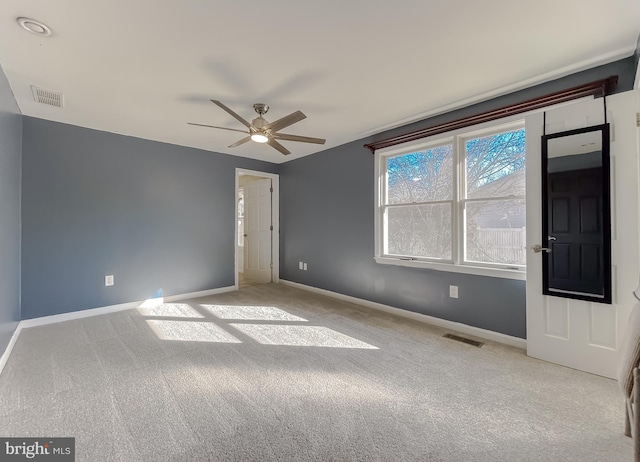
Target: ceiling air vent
52, 98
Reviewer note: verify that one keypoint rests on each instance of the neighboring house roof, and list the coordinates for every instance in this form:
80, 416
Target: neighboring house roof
501, 214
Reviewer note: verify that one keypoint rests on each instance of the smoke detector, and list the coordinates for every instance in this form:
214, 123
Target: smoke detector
52, 98
35, 27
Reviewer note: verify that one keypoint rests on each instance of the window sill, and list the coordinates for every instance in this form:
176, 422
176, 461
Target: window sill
478, 270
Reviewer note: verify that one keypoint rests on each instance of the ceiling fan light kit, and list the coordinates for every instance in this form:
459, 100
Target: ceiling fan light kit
260, 130
259, 138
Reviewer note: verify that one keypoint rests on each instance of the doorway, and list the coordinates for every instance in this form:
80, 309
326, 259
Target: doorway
257, 228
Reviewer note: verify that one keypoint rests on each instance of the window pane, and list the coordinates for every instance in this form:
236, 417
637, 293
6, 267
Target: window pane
241, 217
419, 231
421, 176
495, 165
495, 232
241, 203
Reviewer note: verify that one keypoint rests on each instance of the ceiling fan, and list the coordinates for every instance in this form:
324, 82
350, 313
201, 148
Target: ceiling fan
261, 130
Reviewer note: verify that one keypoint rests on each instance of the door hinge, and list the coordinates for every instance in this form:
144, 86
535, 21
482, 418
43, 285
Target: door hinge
271, 227
271, 189
637, 119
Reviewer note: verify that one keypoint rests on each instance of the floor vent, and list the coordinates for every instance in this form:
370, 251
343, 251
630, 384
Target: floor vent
463, 340
52, 98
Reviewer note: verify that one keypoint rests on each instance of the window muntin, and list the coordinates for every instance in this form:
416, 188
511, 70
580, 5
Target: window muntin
460, 201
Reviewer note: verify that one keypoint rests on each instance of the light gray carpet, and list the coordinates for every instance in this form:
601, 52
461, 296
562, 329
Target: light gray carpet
275, 373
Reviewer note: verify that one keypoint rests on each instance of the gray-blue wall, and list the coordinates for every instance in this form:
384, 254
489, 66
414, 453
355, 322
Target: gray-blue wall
327, 220
156, 216
10, 153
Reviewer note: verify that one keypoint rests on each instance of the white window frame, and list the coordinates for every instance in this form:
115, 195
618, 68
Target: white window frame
457, 263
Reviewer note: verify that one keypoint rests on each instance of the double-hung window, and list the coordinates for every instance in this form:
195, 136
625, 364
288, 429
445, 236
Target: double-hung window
455, 203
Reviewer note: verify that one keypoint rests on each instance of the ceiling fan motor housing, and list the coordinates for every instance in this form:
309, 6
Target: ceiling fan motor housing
259, 122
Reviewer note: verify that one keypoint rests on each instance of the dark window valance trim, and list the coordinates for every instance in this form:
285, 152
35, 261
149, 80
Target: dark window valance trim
597, 88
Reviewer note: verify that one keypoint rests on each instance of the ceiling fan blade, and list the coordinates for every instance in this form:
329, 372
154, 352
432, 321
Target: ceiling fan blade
221, 128
239, 142
302, 139
235, 116
285, 121
274, 144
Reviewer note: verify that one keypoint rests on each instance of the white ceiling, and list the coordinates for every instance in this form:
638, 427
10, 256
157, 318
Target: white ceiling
146, 67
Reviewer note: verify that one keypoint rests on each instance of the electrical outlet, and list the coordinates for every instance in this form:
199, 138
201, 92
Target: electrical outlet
108, 280
300, 265
453, 291
305, 267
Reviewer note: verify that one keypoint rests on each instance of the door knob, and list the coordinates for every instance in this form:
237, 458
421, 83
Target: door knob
538, 248
244, 235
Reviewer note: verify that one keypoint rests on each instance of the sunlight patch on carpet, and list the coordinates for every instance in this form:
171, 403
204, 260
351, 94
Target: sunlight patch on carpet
172, 310
249, 312
315, 336
191, 331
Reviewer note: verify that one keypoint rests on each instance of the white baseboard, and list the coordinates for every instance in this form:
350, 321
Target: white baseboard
5, 356
114, 308
24, 324
463, 328
55, 318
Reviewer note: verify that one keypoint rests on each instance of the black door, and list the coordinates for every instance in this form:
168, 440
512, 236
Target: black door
576, 261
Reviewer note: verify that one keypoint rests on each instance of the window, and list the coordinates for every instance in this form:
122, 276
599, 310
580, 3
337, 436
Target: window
241, 217
454, 202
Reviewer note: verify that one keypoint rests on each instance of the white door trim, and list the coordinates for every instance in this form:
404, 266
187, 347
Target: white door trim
275, 219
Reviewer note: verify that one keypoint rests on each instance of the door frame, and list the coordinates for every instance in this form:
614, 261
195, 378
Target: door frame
275, 220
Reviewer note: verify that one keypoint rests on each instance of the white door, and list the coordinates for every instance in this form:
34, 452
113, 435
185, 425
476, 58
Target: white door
257, 230
579, 334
